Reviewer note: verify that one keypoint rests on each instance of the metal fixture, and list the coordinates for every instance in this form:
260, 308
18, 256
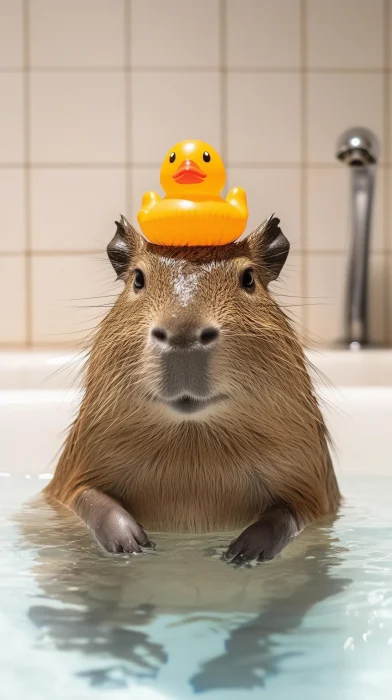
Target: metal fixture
359, 149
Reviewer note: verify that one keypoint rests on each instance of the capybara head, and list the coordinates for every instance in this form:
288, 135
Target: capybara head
195, 333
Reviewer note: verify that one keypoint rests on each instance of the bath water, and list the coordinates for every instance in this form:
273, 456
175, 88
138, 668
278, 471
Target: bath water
77, 623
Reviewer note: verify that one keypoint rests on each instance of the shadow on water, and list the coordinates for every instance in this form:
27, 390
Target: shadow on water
104, 606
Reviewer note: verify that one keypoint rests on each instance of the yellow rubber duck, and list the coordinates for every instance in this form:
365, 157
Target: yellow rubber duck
193, 213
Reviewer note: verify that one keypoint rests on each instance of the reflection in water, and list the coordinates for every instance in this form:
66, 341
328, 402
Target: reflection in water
92, 619
84, 631
109, 607
252, 652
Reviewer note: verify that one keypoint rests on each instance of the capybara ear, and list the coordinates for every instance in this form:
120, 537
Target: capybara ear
270, 247
123, 246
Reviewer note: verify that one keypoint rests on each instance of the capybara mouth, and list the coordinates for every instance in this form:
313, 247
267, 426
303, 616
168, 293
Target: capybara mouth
191, 404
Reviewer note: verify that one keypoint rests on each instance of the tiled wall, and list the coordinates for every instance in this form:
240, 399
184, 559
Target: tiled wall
93, 93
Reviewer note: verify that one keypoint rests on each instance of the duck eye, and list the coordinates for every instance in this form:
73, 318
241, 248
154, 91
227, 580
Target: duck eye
139, 281
206, 157
247, 279
172, 157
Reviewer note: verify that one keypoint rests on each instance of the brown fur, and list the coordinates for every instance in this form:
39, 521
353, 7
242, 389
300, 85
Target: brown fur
265, 445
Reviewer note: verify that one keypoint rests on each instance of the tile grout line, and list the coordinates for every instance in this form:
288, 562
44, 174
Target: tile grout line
128, 108
199, 69
387, 177
304, 179
151, 165
27, 178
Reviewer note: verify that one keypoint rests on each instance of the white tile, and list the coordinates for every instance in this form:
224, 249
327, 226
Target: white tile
74, 209
287, 290
12, 300
345, 33
77, 284
77, 117
271, 190
337, 102
12, 210
263, 118
11, 34
174, 33
326, 278
329, 209
170, 107
82, 33
142, 180
11, 118
263, 33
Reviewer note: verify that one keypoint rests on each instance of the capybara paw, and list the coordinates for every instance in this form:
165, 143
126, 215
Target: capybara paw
264, 539
119, 532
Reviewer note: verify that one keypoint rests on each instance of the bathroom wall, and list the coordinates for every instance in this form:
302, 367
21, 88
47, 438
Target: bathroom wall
93, 93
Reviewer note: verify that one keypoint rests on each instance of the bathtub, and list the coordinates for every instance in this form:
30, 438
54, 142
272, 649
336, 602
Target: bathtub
170, 623
39, 397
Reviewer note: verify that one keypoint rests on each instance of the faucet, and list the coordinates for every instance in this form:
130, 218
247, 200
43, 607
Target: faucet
359, 149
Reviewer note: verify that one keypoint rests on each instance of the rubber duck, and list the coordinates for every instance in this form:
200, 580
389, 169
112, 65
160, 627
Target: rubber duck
193, 213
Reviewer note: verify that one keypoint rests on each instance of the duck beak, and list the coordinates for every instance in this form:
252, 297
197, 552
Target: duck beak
189, 173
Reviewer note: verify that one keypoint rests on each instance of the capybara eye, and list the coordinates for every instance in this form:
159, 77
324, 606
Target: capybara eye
247, 279
206, 157
172, 157
139, 281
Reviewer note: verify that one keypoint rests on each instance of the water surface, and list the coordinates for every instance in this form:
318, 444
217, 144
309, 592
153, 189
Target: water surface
180, 622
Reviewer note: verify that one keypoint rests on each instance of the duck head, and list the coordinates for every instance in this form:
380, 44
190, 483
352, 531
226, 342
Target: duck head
192, 168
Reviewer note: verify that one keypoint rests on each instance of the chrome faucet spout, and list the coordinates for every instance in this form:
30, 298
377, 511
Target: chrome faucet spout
359, 149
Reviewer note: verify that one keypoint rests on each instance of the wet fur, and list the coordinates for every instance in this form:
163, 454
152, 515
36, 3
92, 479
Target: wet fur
266, 446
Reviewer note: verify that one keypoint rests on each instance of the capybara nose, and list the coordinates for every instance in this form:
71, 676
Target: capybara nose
159, 336
209, 335
184, 338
